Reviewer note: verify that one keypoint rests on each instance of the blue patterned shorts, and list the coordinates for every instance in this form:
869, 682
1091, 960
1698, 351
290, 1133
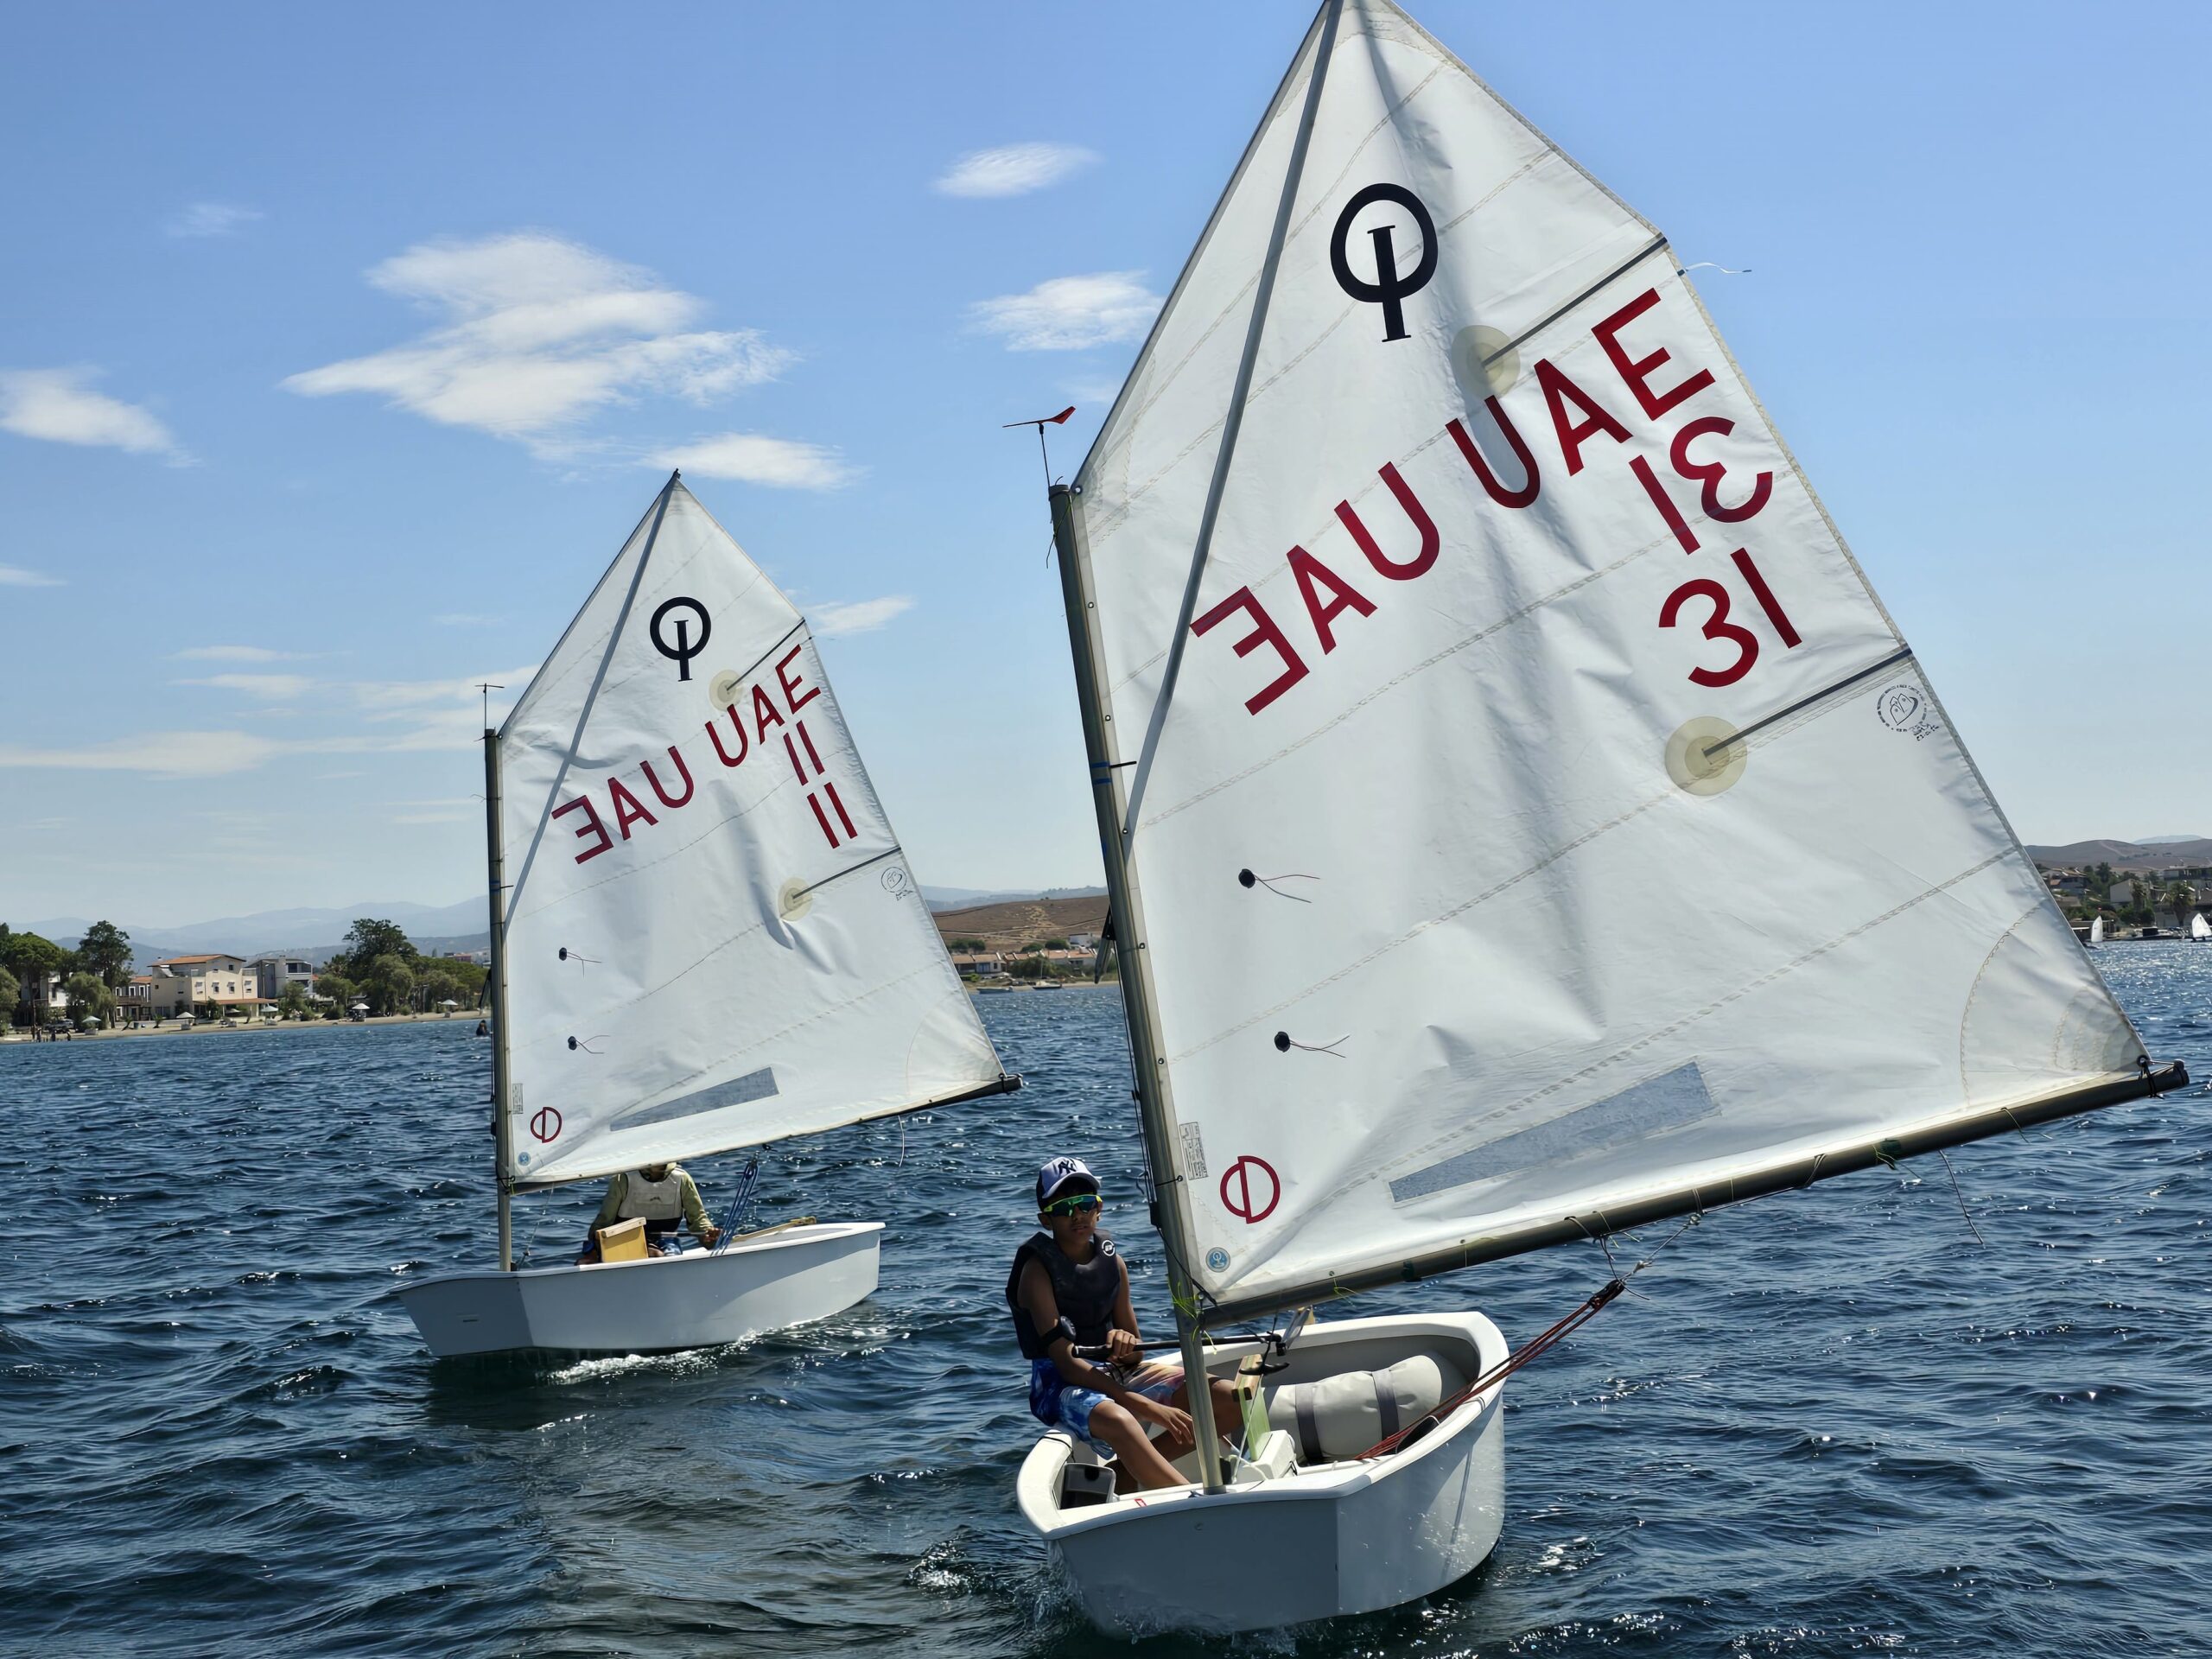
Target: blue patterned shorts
1058, 1404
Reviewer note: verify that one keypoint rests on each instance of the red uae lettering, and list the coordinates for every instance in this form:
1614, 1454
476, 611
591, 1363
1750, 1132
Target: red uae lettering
545, 1123
1242, 1205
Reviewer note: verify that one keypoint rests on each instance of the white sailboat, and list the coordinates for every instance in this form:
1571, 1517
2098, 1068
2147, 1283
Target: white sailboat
705, 936
2097, 931
1437, 550
2199, 929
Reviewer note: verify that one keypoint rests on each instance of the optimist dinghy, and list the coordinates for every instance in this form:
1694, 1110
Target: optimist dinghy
1527, 825
705, 935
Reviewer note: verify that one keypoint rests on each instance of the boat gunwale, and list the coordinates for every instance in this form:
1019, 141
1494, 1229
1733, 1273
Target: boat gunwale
814, 1233
1328, 1481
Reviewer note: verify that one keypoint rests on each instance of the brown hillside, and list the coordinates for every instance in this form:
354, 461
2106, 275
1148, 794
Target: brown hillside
1023, 921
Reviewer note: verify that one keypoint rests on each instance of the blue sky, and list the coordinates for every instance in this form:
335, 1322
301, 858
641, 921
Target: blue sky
339, 350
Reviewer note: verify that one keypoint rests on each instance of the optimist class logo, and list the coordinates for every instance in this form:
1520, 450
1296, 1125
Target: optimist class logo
1389, 289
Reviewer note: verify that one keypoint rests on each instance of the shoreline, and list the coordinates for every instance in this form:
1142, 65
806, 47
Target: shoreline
10, 1039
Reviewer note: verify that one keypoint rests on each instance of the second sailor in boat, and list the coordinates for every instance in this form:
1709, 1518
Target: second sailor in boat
1069, 1289
663, 1196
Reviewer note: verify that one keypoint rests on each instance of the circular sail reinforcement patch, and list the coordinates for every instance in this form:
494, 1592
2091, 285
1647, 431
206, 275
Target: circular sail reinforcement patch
723, 689
794, 899
1473, 349
1693, 768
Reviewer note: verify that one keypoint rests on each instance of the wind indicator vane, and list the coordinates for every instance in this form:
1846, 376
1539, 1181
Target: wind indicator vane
1040, 423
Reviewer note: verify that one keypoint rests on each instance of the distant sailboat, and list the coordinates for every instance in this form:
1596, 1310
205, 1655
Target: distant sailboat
1435, 550
705, 935
2199, 929
2097, 932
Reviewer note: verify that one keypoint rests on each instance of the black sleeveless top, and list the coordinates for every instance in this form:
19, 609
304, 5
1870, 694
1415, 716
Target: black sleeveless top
1086, 1293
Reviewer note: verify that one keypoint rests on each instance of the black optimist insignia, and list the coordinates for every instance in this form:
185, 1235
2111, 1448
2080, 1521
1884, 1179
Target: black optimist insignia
1390, 287
684, 647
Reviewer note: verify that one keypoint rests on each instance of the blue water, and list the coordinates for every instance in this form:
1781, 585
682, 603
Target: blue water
1828, 1422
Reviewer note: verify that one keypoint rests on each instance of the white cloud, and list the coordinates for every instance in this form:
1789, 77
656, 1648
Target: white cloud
1013, 170
783, 463
164, 754
418, 694
13, 575
861, 616
257, 686
537, 333
1070, 313
458, 809
56, 405
233, 654
211, 219
430, 715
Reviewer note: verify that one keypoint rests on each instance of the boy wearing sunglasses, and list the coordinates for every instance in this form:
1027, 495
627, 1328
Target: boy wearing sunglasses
1070, 1289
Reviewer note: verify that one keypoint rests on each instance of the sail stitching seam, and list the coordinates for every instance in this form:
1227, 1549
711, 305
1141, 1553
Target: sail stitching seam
1397, 680
1236, 300
1742, 991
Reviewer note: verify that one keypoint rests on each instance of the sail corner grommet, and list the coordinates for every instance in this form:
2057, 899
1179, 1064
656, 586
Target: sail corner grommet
1701, 759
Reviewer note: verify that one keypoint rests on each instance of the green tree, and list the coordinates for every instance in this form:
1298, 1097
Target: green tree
89, 997
106, 951
388, 982
436, 985
340, 990
293, 1005
10, 993
367, 940
33, 963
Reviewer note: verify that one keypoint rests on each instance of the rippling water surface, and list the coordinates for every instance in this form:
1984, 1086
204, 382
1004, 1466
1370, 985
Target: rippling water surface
1828, 1422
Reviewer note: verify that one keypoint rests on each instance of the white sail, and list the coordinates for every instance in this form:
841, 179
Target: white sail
2199, 928
1461, 914
712, 938
2097, 931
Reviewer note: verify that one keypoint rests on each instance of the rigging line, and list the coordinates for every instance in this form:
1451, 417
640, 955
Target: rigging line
607, 658
1843, 684
1961, 1198
1621, 270
840, 875
1235, 421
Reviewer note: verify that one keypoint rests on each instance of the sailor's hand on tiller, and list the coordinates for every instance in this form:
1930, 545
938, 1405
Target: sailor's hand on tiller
711, 1237
1123, 1348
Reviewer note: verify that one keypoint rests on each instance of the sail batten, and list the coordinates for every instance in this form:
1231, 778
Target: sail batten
689, 967
1641, 844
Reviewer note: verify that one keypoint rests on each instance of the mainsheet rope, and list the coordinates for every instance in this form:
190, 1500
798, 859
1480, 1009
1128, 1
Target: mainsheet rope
1534, 1348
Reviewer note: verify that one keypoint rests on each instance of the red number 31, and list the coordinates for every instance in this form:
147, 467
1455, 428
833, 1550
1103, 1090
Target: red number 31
1717, 627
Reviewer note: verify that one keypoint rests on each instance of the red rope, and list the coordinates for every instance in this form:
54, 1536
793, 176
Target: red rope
1530, 1350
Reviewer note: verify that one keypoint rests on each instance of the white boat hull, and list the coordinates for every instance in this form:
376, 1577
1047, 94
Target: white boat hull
655, 1305
1350, 1537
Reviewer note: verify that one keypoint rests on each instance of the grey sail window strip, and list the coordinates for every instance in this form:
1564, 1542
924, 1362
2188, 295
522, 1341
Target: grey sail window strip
753, 1085
839, 875
1549, 318
1669, 1101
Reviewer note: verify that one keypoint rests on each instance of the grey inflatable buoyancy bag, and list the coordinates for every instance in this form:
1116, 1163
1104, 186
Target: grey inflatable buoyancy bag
1338, 1417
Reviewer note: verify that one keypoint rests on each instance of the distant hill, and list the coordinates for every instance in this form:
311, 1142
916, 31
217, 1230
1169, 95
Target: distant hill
1011, 923
944, 899
2166, 853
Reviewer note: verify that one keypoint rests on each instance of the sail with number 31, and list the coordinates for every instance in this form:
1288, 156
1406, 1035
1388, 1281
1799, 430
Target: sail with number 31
1534, 823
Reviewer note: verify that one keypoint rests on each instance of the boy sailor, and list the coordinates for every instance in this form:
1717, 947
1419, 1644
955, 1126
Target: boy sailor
1070, 1289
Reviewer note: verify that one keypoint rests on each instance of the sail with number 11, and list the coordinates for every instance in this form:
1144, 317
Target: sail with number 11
705, 936
1523, 821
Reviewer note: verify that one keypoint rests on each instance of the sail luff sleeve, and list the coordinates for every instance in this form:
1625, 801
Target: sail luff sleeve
1677, 1203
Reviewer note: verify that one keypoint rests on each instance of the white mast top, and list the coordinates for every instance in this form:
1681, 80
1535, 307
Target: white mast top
1468, 909
712, 937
